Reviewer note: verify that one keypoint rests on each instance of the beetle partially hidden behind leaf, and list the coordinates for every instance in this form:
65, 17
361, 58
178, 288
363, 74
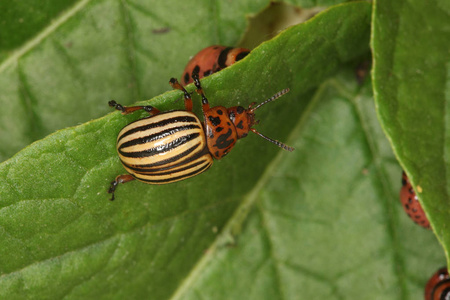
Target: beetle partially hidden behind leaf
174, 145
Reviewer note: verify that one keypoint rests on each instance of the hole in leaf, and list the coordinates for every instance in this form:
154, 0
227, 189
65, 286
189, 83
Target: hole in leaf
276, 17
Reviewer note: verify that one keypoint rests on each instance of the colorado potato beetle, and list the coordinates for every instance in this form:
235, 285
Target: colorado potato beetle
212, 59
438, 286
174, 145
411, 203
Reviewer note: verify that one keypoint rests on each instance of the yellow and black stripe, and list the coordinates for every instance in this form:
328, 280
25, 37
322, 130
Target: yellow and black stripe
164, 148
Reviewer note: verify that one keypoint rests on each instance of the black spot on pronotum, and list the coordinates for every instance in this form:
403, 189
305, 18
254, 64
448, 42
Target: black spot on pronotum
240, 109
214, 121
240, 125
220, 112
223, 142
219, 129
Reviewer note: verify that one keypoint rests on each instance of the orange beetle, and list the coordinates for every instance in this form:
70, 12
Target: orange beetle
411, 203
438, 286
212, 59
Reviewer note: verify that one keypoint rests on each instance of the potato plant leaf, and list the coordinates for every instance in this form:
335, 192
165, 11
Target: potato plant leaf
411, 84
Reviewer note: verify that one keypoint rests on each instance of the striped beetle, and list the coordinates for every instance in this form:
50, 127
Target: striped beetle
174, 145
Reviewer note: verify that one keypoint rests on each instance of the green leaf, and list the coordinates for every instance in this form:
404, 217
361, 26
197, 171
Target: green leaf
411, 84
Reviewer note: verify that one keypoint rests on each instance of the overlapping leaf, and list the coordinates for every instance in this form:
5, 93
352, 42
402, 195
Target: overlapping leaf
411, 84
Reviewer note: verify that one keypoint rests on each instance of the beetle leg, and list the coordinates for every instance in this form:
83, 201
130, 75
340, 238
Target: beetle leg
205, 103
119, 179
187, 97
129, 109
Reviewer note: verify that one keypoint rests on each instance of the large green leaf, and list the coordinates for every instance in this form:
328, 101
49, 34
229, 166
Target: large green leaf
411, 42
326, 223
323, 216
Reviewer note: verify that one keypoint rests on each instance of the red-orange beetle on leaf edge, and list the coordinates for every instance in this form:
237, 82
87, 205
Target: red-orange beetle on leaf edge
212, 59
411, 203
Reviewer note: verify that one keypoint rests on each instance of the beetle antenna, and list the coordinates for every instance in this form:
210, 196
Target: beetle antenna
278, 143
274, 97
